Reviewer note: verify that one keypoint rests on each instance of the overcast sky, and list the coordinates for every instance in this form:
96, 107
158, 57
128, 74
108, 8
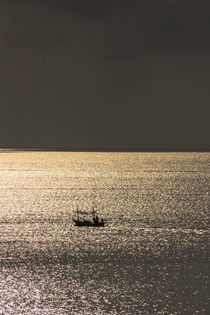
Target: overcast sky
105, 74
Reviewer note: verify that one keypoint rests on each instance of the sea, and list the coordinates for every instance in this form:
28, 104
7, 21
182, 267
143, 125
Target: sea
151, 257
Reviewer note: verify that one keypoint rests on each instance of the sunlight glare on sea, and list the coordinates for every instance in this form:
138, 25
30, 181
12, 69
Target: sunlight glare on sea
151, 256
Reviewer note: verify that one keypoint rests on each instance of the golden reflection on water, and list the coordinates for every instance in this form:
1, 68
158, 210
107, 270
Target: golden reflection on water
151, 256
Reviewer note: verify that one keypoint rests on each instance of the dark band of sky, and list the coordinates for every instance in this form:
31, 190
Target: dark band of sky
105, 74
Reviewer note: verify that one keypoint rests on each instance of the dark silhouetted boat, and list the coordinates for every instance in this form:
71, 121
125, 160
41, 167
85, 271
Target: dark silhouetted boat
83, 222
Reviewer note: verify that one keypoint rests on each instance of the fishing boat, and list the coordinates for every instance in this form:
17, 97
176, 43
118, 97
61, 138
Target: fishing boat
84, 222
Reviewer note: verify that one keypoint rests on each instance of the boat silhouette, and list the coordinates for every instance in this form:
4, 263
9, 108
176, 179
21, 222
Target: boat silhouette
84, 222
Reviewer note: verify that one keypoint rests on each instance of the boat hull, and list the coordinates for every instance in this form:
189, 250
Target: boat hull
87, 223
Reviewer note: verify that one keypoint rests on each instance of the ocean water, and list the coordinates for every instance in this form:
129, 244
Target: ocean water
150, 258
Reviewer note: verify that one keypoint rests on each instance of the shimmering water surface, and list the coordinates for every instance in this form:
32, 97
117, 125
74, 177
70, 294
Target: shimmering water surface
151, 256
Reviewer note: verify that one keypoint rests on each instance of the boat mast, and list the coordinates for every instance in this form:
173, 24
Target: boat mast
93, 212
77, 213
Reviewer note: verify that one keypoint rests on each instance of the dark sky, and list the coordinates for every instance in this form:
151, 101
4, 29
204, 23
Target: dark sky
105, 74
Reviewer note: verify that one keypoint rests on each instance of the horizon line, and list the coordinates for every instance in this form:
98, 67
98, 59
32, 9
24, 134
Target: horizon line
90, 149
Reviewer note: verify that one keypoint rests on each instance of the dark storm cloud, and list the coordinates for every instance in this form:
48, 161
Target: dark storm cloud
104, 73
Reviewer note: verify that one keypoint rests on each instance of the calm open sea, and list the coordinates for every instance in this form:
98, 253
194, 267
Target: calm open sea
151, 256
